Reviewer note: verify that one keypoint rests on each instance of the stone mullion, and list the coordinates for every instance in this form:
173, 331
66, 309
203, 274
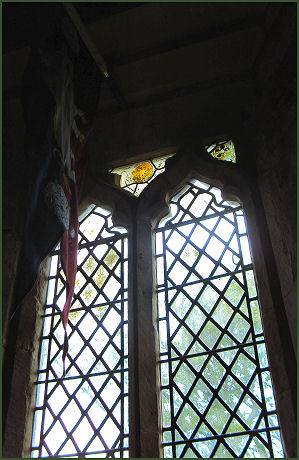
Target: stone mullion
147, 344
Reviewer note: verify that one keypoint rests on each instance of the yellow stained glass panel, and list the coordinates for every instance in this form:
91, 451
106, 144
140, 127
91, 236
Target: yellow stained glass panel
135, 177
142, 172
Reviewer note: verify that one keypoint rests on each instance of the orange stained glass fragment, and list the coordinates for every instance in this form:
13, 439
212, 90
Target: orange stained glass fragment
142, 172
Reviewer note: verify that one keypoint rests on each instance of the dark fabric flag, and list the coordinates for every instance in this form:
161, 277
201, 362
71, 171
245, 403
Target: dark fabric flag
60, 97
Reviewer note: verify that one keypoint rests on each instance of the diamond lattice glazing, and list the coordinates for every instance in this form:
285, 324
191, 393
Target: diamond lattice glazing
85, 413
217, 395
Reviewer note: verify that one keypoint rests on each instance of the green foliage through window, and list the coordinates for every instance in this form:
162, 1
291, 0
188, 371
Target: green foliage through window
85, 413
216, 390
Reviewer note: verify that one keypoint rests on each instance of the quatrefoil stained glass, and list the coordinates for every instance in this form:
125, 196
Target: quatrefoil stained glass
85, 413
216, 388
135, 177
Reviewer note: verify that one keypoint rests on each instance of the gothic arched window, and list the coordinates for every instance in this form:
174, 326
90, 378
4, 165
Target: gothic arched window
217, 396
85, 412
167, 354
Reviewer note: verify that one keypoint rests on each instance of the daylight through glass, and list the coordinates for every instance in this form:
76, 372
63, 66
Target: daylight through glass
85, 413
216, 390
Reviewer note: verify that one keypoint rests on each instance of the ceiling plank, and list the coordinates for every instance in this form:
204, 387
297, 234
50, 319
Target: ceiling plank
156, 99
159, 98
230, 27
93, 11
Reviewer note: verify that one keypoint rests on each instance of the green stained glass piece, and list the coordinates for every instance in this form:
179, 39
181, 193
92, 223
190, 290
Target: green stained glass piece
243, 368
235, 427
256, 317
166, 407
100, 276
224, 151
111, 258
239, 327
89, 265
222, 313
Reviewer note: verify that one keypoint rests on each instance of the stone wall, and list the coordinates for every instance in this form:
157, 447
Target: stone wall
217, 110
14, 192
276, 165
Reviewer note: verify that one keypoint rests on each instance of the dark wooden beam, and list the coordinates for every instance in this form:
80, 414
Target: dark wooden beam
157, 99
93, 11
21, 19
220, 30
95, 54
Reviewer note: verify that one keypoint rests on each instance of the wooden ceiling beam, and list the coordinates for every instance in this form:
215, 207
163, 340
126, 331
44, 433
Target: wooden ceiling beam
95, 54
156, 99
93, 11
220, 30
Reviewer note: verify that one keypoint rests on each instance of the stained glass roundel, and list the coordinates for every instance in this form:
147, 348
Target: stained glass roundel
135, 177
142, 172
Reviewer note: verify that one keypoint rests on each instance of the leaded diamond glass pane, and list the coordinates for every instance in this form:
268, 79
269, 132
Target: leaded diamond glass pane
217, 394
85, 412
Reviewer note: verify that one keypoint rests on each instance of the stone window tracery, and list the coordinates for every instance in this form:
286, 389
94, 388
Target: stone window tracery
219, 249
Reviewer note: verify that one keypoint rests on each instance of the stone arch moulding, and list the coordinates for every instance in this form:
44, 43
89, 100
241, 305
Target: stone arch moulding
121, 204
191, 162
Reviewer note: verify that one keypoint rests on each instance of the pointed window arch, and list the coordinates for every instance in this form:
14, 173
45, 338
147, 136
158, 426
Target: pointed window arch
216, 388
196, 333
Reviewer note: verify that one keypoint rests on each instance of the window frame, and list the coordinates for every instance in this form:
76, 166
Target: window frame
177, 236
50, 379
139, 217
191, 162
